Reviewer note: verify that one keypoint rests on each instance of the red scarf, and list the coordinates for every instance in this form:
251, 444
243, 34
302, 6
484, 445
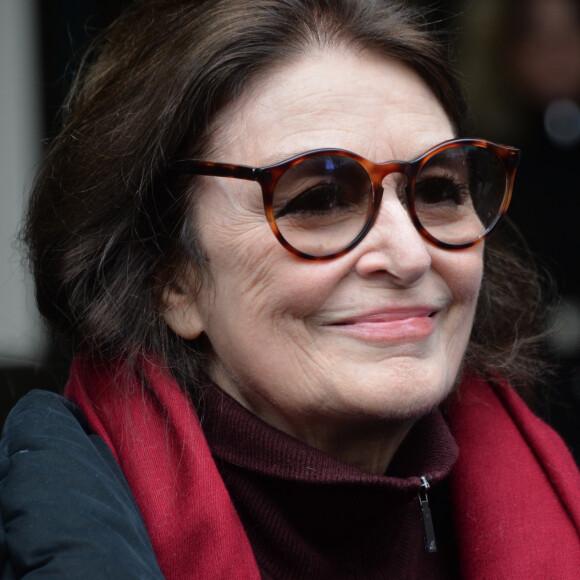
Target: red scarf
515, 490
515, 487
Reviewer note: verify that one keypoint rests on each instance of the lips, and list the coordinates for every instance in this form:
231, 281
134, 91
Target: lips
399, 325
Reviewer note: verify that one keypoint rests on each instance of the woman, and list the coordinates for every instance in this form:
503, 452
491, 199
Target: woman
259, 395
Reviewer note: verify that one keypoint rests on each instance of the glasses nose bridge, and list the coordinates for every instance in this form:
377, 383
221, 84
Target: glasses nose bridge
380, 171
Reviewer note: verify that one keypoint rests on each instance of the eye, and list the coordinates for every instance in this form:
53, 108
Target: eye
318, 199
444, 189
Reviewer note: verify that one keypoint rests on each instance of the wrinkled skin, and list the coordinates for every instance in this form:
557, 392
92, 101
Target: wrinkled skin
347, 354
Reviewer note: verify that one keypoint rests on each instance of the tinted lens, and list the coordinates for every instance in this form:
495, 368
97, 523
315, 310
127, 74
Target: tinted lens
459, 193
322, 203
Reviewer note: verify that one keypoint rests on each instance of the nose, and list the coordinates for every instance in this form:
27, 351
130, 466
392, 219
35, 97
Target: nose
393, 247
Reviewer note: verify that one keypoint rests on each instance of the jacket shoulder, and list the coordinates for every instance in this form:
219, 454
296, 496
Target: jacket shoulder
66, 510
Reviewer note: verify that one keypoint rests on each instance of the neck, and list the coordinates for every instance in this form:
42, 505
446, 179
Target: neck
368, 443
370, 446
308, 514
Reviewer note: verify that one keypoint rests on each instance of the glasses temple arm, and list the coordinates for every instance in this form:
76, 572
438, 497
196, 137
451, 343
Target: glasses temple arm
215, 169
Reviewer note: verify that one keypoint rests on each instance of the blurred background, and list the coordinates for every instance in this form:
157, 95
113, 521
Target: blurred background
521, 66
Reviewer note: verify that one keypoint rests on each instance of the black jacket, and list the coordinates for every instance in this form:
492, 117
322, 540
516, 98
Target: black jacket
66, 510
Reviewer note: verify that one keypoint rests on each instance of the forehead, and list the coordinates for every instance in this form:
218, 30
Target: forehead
375, 106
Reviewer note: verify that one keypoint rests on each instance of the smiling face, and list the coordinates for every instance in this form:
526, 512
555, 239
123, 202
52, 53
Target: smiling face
365, 343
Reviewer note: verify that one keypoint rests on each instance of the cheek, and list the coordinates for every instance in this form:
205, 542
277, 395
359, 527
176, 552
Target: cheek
264, 284
235, 237
251, 274
256, 312
469, 275
462, 273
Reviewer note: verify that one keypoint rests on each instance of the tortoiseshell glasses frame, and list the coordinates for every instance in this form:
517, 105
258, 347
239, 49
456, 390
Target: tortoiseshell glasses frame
322, 203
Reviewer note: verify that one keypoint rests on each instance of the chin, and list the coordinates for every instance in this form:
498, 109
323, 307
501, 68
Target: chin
399, 399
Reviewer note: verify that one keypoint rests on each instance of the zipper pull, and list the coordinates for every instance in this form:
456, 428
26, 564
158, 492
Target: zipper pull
426, 519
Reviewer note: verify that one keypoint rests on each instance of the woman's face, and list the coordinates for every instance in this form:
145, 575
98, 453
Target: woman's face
316, 348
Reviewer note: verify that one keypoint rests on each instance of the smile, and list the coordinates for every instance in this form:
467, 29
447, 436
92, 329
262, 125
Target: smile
395, 326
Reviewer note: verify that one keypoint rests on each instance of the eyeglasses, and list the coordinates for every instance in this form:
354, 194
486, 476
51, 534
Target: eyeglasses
321, 204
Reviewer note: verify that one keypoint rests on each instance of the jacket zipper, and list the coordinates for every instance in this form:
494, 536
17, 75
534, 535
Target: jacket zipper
426, 519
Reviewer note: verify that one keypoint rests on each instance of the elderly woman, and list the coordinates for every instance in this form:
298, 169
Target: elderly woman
267, 241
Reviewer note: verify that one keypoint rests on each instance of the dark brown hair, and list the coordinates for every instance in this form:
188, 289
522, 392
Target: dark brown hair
108, 229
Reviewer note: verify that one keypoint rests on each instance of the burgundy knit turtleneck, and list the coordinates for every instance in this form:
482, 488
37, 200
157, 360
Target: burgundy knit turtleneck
311, 516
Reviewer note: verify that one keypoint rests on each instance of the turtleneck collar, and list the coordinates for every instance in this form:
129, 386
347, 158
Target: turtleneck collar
310, 515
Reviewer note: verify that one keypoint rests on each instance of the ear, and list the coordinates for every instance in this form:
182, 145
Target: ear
182, 313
